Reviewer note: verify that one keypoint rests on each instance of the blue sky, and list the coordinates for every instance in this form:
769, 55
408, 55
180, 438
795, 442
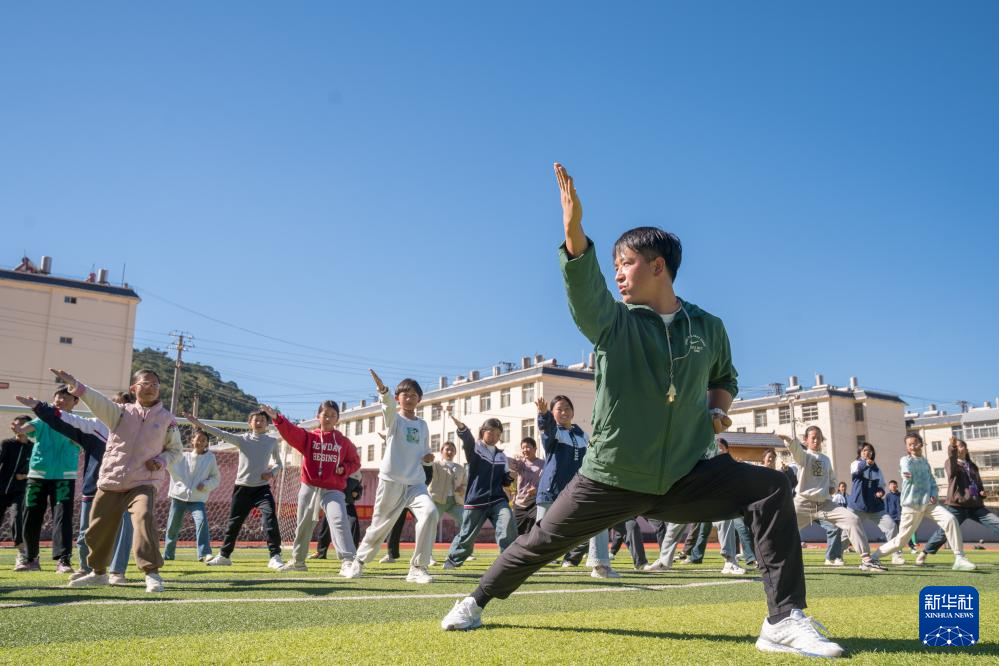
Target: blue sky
373, 183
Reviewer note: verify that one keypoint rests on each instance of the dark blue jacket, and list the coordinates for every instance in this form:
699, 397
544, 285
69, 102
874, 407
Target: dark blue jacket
867, 482
92, 443
893, 506
14, 457
564, 453
487, 473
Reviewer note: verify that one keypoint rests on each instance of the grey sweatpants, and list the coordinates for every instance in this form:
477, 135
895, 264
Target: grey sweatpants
333, 505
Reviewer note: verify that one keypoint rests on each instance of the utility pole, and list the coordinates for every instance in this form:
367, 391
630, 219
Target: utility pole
776, 388
183, 344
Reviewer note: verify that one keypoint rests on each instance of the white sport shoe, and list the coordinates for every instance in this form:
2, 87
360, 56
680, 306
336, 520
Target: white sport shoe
79, 574
871, 565
921, 558
275, 562
896, 558
117, 579
432, 562
388, 559
838, 562
357, 569
348, 570
656, 567
567, 564
798, 634
154, 583
465, 615
291, 566
90, 580
448, 564
961, 563
604, 571
219, 561
419, 575
733, 569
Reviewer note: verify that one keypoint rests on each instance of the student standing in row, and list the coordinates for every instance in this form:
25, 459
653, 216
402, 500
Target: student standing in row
193, 477
527, 466
15, 453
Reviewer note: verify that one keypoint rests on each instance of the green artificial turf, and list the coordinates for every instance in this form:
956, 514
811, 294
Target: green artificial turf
248, 613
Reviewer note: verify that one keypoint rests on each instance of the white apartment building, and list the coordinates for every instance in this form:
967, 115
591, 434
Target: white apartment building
86, 326
848, 416
507, 394
978, 427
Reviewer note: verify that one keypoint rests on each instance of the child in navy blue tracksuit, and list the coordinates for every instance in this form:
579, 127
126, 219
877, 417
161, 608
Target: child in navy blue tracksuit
867, 495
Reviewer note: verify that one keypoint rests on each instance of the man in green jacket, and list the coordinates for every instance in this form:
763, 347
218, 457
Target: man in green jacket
664, 380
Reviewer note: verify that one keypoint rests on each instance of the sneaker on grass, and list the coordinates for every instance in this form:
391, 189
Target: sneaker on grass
316, 556
921, 558
220, 561
732, 569
117, 579
604, 571
419, 575
79, 574
348, 569
797, 634
356, 570
275, 562
656, 567
64, 567
465, 615
92, 579
153, 583
961, 563
388, 559
837, 562
292, 566
24, 564
896, 558
448, 564
871, 565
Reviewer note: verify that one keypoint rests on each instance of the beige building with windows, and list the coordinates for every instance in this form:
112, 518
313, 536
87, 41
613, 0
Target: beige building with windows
86, 326
506, 394
848, 416
978, 427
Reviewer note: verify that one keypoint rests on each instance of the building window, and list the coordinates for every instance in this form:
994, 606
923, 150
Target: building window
450, 437
740, 430
858, 411
810, 412
452, 405
371, 452
936, 445
69, 299
485, 402
760, 418
984, 430
505, 437
435, 411
987, 459
861, 440
527, 429
63, 340
371, 424
956, 431
784, 414
527, 393
466, 407
991, 486
435, 443
419, 412
504, 398
939, 472
358, 426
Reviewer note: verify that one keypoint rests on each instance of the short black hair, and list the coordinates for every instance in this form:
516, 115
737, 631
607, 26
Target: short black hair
723, 442
325, 404
652, 242
144, 371
867, 445
198, 432
21, 418
914, 436
409, 384
490, 424
893, 481
64, 390
529, 440
267, 416
821, 435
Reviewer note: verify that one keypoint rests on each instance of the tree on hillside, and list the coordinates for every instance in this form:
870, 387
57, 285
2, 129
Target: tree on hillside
217, 399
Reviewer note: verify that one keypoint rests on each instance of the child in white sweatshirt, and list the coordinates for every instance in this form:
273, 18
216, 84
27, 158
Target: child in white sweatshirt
193, 477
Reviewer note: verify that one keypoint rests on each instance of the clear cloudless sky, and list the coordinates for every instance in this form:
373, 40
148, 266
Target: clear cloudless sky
371, 183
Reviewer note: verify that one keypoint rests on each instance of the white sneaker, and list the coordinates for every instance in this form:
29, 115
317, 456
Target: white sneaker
921, 558
448, 564
656, 567
349, 570
275, 562
79, 574
419, 575
291, 566
154, 583
566, 564
733, 569
357, 569
90, 580
219, 561
432, 563
961, 563
604, 571
838, 562
117, 579
388, 559
465, 615
470, 558
798, 634
896, 558
871, 565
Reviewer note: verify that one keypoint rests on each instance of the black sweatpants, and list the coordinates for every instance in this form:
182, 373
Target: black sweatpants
39, 495
715, 489
15, 500
395, 536
244, 498
629, 533
525, 516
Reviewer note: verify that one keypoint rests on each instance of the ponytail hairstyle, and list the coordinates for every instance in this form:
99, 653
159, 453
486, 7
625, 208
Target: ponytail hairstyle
327, 404
952, 453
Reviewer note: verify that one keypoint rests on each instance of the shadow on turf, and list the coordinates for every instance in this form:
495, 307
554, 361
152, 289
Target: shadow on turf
853, 646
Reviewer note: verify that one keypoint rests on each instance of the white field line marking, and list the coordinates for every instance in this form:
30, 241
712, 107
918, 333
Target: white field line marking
370, 597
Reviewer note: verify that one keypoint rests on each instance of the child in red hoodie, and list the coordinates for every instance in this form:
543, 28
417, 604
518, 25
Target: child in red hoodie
328, 458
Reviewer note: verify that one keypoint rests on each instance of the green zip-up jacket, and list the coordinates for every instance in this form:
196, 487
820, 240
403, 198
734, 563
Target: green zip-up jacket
642, 442
53, 456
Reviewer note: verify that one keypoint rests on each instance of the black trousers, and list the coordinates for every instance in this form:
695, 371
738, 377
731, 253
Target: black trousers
395, 536
39, 495
525, 516
323, 539
244, 498
715, 489
15, 500
629, 533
